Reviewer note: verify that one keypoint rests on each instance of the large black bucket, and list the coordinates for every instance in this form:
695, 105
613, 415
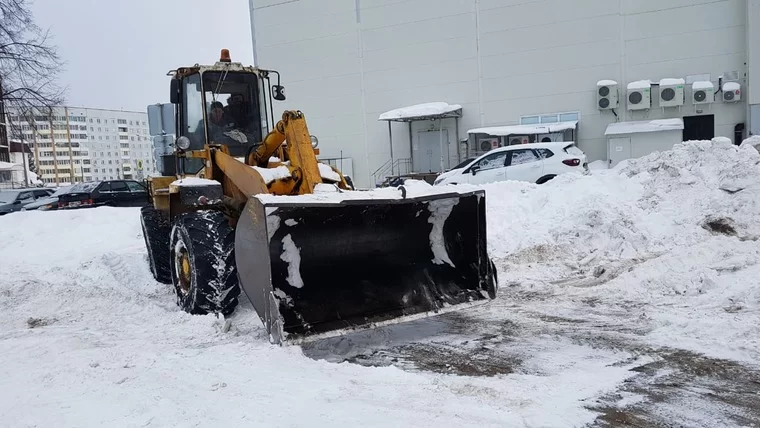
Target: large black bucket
316, 269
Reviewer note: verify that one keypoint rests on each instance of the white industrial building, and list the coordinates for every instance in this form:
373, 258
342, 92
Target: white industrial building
495, 63
90, 144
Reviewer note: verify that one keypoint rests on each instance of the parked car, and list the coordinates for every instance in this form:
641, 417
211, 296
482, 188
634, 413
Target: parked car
535, 162
49, 203
12, 200
114, 193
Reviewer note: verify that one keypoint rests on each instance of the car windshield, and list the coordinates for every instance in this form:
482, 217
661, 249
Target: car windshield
83, 187
8, 196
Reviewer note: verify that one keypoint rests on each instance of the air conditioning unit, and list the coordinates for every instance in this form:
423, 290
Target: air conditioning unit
671, 92
639, 95
606, 94
732, 92
702, 92
519, 139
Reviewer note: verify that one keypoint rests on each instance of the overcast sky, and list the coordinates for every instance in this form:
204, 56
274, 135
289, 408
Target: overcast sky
117, 52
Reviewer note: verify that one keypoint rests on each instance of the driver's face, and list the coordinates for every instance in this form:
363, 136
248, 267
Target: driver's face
216, 115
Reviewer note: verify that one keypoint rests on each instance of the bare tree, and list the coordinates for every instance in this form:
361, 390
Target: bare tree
29, 63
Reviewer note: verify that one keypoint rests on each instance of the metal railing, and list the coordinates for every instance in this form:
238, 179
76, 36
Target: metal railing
390, 169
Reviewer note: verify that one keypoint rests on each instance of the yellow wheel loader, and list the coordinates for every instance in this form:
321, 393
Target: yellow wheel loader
244, 204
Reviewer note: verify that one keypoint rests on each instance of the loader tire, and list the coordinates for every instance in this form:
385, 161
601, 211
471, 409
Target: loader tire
156, 228
202, 261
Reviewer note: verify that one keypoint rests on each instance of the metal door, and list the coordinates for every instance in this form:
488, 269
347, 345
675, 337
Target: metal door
619, 149
427, 151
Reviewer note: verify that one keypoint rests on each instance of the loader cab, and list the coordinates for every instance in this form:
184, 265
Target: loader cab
225, 104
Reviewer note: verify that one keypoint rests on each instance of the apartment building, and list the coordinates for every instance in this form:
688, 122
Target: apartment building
73, 144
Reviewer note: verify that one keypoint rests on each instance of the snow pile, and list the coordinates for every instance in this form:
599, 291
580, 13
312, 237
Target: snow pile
271, 174
327, 172
195, 182
88, 338
678, 226
753, 141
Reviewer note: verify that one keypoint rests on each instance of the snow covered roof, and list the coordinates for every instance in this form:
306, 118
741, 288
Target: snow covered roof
422, 111
644, 126
672, 82
7, 166
544, 128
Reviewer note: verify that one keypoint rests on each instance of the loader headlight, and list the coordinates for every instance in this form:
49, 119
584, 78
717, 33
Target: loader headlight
314, 141
183, 143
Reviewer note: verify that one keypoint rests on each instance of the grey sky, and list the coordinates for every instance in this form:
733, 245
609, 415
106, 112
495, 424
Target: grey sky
117, 52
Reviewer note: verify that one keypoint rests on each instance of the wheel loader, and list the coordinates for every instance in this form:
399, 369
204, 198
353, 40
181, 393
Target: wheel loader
243, 204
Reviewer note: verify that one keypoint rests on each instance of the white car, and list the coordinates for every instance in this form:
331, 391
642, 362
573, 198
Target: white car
535, 162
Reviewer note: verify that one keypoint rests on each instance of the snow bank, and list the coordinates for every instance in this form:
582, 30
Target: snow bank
88, 338
642, 234
752, 141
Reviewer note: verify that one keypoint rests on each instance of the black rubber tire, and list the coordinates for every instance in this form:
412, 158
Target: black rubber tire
209, 244
156, 228
544, 179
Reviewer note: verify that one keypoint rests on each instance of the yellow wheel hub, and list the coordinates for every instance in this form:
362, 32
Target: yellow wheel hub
185, 271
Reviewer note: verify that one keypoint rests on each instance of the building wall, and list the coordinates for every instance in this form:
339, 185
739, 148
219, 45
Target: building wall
753, 61
346, 61
91, 144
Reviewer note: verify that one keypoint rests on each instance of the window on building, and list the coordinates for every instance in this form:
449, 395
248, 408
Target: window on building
122, 121
549, 118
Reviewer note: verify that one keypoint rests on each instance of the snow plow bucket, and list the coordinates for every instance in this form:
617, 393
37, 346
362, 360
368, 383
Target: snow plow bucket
314, 269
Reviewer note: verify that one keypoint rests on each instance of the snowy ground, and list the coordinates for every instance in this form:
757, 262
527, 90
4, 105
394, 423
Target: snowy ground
630, 296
